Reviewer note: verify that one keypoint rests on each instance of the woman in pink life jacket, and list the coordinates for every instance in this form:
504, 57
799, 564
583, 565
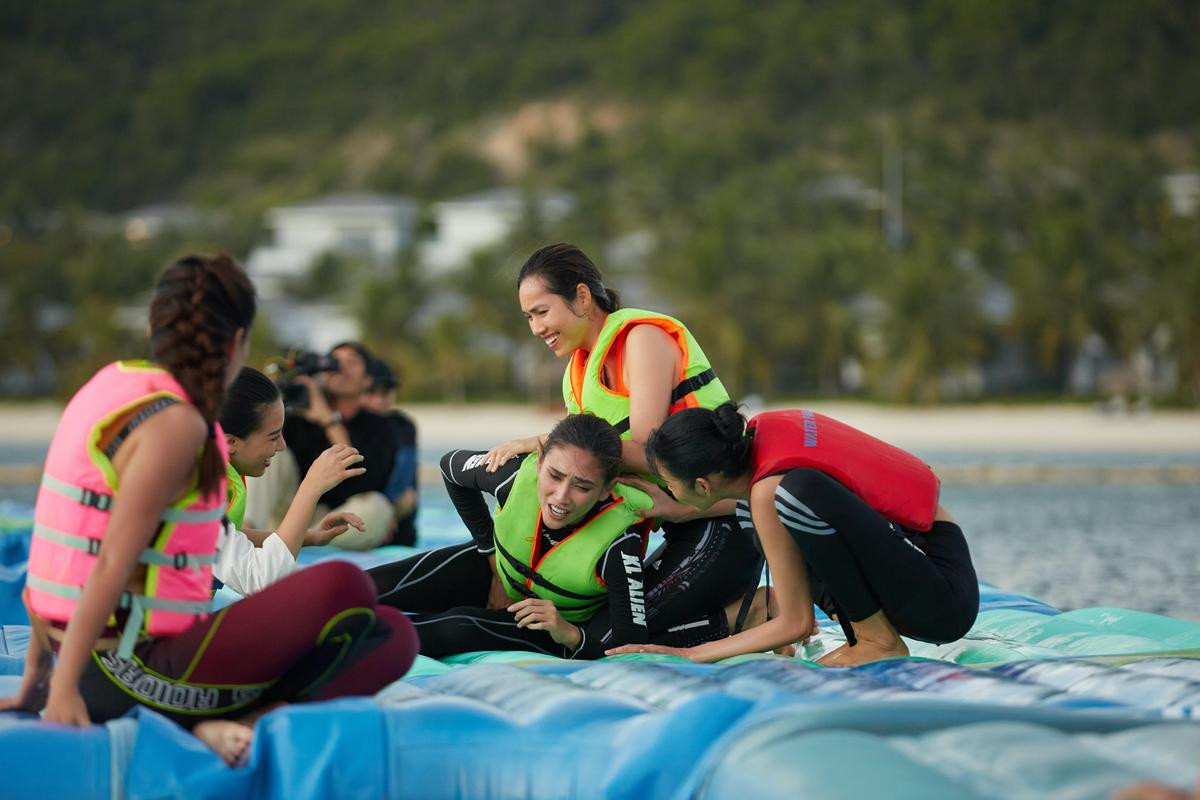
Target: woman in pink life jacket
125, 534
843, 519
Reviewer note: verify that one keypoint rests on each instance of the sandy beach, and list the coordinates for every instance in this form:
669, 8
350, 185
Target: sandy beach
984, 428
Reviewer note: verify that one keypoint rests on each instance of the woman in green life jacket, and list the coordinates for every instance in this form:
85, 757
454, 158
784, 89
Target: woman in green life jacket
633, 368
567, 542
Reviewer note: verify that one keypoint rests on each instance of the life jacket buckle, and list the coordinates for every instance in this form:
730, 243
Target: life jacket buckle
93, 547
96, 500
180, 560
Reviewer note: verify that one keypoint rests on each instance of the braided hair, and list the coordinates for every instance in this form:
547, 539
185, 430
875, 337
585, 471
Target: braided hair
696, 442
199, 303
562, 267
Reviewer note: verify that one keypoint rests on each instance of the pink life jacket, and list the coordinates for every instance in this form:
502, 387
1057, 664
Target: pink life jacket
73, 505
895, 483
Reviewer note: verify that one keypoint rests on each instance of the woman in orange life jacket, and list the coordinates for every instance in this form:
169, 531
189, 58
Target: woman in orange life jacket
126, 525
841, 516
633, 368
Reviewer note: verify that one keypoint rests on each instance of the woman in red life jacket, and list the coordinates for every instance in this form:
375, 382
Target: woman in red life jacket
125, 533
842, 518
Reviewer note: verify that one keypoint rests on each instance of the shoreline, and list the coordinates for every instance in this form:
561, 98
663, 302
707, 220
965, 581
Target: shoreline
949, 429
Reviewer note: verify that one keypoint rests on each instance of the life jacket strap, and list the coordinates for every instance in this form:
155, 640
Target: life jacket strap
148, 556
103, 502
138, 605
531, 574
81, 495
681, 390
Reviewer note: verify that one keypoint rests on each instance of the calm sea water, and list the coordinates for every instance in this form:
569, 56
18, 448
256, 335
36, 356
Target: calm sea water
1128, 545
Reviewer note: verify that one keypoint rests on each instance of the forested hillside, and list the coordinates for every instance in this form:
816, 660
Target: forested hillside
907, 200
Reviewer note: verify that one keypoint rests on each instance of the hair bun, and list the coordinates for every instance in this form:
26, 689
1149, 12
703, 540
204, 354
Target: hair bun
730, 423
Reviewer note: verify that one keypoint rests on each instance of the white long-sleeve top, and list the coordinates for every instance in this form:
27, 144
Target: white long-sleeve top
248, 569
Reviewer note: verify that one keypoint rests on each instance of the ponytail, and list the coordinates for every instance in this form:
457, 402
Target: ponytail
562, 267
199, 304
696, 442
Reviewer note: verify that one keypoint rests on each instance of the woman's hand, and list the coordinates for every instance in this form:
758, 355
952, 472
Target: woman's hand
35, 685
335, 523
541, 615
334, 465
656, 649
66, 707
665, 507
498, 455
30, 697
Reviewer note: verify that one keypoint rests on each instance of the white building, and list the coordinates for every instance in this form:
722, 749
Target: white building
373, 226
466, 224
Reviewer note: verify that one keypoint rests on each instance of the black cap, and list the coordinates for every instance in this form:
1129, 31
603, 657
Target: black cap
381, 374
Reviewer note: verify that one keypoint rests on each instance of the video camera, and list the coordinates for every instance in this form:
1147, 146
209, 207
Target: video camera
285, 369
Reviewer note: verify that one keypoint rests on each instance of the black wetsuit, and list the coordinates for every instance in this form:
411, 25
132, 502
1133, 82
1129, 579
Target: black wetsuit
702, 566
859, 562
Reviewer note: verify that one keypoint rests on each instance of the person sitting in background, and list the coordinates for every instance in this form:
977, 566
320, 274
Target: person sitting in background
252, 418
401, 486
335, 414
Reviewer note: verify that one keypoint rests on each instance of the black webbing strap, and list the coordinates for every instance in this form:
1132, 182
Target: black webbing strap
527, 572
681, 390
146, 413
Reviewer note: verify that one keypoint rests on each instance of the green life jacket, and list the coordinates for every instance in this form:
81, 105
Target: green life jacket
697, 385
566, 574
235, 493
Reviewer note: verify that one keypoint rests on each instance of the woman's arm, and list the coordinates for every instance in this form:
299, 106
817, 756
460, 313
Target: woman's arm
652, 367
621, 570
152, 476
334, 465
31, 696
796, 618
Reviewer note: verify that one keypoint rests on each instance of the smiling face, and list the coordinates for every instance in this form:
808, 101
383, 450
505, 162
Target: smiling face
570, 482
563, 326
351, 379
252, 455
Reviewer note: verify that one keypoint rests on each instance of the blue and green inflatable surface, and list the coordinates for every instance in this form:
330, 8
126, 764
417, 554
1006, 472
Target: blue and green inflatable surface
1033, 703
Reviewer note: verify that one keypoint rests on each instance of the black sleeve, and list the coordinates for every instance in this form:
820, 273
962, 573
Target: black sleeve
466, 478
372, 435
621, 570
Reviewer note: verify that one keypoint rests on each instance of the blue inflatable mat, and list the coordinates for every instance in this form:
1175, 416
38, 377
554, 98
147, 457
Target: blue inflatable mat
1032, 703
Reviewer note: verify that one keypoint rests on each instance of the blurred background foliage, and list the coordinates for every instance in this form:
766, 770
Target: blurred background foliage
763, 145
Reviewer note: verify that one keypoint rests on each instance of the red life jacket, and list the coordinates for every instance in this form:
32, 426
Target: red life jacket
895, 483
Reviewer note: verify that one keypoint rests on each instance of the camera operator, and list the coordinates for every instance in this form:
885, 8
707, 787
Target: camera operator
402, 483
335, 413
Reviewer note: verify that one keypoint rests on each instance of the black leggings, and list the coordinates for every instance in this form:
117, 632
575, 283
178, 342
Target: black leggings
702, 566
861, 563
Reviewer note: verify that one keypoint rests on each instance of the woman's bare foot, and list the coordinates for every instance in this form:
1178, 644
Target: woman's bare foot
228, 739
863, 653
877, 639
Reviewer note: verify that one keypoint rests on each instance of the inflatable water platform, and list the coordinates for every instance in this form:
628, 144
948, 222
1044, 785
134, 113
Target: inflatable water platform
1033, 703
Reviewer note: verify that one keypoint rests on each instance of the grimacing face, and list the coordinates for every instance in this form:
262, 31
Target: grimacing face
551, 318
570, 481
252, 455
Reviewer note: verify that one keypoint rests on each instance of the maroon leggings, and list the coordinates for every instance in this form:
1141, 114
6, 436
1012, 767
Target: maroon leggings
313, 635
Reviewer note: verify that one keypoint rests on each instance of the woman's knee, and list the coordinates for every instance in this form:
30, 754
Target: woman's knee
338, 584
806, 484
